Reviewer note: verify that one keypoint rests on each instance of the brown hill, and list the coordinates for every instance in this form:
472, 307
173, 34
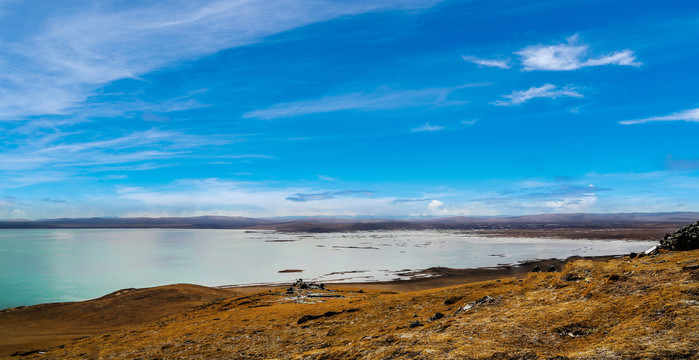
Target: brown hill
56, 323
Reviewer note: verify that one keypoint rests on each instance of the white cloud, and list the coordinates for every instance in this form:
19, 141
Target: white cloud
570, 56
545, 91
573, 204
502, 64
381, 99
435, 205
55, 65
687, 115
428, 127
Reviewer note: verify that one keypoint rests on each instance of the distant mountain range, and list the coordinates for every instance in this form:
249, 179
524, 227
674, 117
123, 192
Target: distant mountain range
329, 224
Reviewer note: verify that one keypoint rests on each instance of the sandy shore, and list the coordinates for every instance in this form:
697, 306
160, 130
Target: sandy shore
437, 277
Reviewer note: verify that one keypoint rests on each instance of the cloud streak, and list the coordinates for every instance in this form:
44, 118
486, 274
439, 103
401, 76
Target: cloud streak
299, 197
691, 115
60, 151
546, 198
427, 128
381, 99
223, 197
57, 64
570, 56
501, 64
548, 91
56, 156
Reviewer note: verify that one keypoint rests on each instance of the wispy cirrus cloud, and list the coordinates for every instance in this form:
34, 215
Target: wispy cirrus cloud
575, 204
543, 197
190, 197
691, 115
381, 99
73, 49
300, 197
428, 128
570, 56
327, 178
58, 156
548, 91
501, 64
224, 197
405, 201
545, 191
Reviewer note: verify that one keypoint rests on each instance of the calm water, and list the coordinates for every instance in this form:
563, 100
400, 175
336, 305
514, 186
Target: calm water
38, 266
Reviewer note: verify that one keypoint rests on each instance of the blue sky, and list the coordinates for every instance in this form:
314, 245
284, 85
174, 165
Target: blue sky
350, 108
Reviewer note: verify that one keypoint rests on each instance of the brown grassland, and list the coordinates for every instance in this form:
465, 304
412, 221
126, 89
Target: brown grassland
642, 308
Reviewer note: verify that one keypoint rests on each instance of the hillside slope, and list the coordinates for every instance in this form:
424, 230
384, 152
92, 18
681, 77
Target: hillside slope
55, 323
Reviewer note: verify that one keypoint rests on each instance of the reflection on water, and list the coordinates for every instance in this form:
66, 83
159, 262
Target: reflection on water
39, 266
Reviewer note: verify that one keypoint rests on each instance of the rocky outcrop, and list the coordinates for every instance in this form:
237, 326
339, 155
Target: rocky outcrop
686, 238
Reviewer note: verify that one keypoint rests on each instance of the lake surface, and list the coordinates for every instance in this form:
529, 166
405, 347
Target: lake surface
38, 266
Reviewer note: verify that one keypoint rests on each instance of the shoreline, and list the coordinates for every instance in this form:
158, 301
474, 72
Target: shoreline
425, 279
436, 277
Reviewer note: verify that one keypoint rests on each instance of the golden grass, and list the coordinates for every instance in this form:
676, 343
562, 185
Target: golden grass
646, 308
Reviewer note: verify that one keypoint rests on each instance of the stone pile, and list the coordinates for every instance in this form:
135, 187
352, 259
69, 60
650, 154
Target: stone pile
686, 238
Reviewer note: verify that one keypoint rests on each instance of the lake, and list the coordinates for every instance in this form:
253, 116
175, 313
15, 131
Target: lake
38, 266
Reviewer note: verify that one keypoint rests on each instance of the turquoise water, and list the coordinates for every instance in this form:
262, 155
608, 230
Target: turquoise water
39, 266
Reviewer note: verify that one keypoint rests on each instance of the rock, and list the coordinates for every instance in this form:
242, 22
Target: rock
575, 330
652, 251
27, 353
485, 300
290, 290
551, 268
690, 267
686, 238
633, 255
536, 268
452, 300
463, 308
571, 276
315, 295
305, 318
437, 316
360, 291
415, 324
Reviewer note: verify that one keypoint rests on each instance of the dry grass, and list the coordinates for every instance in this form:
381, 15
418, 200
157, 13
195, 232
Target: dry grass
644, 308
